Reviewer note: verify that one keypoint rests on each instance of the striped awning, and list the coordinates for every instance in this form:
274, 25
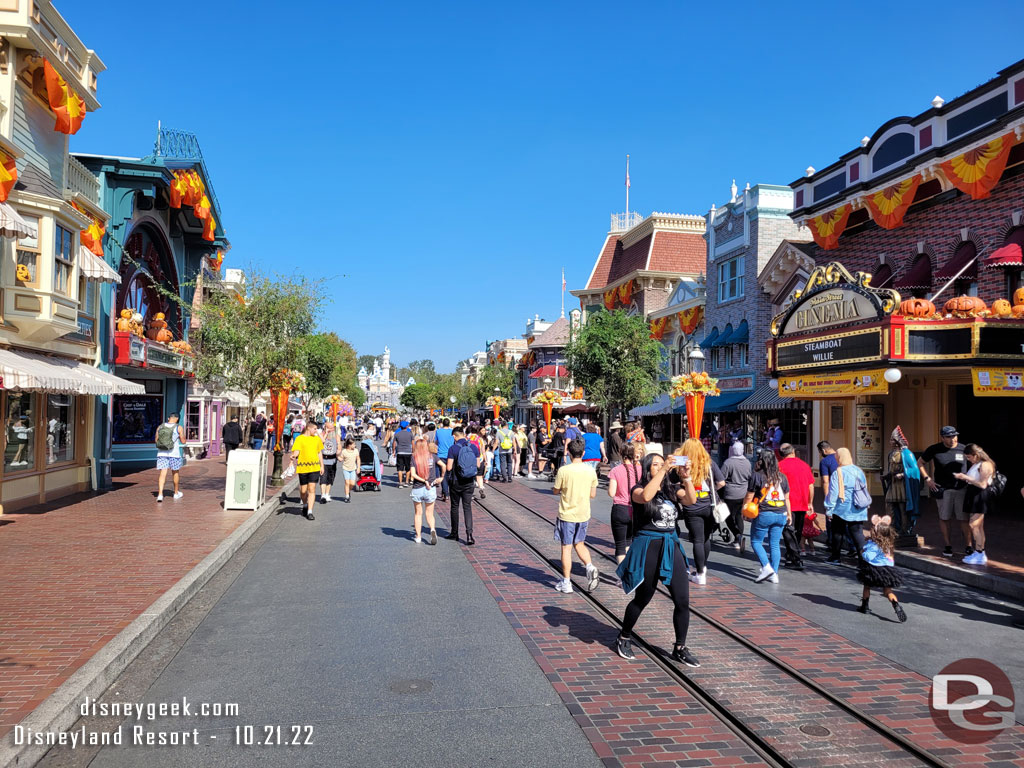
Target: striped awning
27, 372
660, 407
95, 268
12, 225
766, 398
723, 403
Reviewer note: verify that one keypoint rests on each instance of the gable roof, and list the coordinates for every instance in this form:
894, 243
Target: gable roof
651, 246
555, 336
677, 252
603, 265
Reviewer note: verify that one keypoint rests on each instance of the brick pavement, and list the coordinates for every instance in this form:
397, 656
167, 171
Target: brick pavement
75, 572
887, 691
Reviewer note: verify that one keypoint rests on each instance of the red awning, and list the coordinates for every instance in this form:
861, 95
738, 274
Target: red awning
553, 371
919, 276
964, 254
1008, 256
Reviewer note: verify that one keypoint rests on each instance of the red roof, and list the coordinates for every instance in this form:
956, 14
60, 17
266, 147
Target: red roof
550, 370
1008, 256
918, 277
660, 252
678, 252
603, 266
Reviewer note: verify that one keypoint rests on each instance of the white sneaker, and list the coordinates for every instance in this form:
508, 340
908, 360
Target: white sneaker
328, 497
417, 540
160, 497
593, 578
531, 476
178, 495
702, 577
976, 558
766, 571
564, 585
774, 578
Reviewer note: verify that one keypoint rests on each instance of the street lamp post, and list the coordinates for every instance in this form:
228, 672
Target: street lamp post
696, 358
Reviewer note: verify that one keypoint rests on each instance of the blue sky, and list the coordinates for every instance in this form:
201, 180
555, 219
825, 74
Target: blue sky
440, 163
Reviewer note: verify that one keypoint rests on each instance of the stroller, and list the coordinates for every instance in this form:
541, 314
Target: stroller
369, 474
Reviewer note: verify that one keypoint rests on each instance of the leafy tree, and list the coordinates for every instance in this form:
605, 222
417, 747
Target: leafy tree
615, 360
492, 376
328, 362
416, 396
365, 361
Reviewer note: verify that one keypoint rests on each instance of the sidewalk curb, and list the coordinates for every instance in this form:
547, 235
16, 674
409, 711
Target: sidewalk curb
961, 574
60, 710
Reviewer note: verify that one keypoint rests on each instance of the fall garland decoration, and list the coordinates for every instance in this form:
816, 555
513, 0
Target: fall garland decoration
694, 384
288, 378
546, 396
496, 401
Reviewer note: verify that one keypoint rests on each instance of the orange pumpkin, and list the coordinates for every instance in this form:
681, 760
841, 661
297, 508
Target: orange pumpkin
1018, 311
1002, 308
124, 322
917, 308
965, 306
164, 335
1018, 297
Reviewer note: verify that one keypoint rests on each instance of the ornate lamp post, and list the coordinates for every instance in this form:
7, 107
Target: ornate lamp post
696, 358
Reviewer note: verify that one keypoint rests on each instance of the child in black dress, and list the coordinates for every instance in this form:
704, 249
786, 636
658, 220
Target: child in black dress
877, 567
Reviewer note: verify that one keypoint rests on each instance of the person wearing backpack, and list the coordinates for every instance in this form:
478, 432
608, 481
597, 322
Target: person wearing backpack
463, 467
982, 489
846, 504
169, 439
506, 444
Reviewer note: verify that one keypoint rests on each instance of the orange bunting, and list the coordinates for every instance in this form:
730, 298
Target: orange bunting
609, 299
65, 103
888, 206
658, 328
626, 293
689, 319
8, 175
977, 170
202, 208
209, 228
826, 228
178, 189
92, 236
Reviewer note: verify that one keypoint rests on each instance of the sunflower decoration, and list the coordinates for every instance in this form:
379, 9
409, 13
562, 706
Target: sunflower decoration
496, 400
547, 396
694, 384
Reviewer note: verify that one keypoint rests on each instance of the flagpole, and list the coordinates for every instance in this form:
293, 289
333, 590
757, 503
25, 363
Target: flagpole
627, 189
563, 291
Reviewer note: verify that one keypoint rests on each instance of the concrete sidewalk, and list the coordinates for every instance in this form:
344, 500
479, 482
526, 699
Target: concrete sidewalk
78, 571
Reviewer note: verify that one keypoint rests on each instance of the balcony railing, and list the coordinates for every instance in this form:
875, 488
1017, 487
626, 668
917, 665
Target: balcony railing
82, 182
622, 222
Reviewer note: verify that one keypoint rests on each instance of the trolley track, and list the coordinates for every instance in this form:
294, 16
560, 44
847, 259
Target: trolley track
707, 699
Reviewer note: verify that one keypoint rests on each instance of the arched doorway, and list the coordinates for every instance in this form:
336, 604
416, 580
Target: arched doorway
148, 264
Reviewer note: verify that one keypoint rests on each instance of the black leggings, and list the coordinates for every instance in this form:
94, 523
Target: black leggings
840, 528
701, 527
622, 527
735, 521
679, 589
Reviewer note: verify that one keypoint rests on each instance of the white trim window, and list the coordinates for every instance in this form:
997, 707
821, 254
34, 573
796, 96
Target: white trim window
730, 279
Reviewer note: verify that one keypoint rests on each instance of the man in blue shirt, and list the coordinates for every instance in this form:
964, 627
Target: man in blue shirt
462, 484
445, 440
827, 468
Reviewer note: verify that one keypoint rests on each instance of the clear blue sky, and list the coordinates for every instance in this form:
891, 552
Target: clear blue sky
394, 146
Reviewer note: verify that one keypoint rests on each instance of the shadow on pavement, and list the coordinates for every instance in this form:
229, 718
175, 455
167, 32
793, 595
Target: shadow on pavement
399, 534
529, 573
582, 626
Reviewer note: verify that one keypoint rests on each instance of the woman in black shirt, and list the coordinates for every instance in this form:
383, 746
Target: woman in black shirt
699, 513
655, 554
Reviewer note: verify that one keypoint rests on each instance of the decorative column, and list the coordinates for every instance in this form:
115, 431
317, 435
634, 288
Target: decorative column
279, 407
694, 388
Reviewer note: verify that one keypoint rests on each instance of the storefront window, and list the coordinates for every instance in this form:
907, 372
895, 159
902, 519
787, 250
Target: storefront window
64, 260
744, 353
60, 428
19, 439
193, 421
27, 252
1014, 280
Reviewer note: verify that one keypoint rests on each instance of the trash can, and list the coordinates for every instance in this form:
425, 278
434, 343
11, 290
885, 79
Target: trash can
246, 482
104, 479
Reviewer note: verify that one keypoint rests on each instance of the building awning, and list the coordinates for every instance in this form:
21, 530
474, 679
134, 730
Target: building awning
918, 277
553, 371
1009, 255
660, 407
964, 258
95, 268
26, 371
709, 340
723, 338
724, 403
741, 335
13, 226
766, 398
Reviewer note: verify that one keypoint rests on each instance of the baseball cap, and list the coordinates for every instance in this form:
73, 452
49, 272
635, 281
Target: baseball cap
572, 421
948, 432
403, 424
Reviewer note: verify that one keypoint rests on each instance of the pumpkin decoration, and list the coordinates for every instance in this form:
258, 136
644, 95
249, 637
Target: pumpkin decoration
965, 306
917, 308
1002, 308
135, 324
23, 274
158, 330
1018, 311
124, 322
1018, 297
181, 346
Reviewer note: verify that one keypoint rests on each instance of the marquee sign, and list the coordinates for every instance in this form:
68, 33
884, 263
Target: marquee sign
834, 297
836, 349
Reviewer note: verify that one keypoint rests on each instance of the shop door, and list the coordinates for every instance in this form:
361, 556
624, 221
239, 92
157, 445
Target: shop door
994, 424
215, 427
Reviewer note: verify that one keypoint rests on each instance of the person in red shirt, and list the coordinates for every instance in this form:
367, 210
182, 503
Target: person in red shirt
801, 500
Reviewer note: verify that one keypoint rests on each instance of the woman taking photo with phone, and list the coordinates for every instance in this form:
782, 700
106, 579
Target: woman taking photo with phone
656, 554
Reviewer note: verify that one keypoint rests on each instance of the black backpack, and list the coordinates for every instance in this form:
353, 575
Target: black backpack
998, 484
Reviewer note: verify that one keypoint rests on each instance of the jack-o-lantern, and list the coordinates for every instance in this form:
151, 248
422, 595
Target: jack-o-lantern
965, 306
124, 322
1018, 311
23, 274
917, 308
1002, 308
1018, 297
158, 330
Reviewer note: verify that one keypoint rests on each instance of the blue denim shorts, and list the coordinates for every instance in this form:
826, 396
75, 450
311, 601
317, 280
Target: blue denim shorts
423, 495
567, 533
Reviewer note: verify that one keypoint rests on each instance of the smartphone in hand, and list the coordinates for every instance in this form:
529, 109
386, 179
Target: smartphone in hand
680, 461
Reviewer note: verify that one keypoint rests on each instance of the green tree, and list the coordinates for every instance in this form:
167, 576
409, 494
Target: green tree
365, 361
492, 376
328, 362
615, 360
243, 342
416, 396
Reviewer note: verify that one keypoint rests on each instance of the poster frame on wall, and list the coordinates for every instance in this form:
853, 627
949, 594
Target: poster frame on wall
868, 426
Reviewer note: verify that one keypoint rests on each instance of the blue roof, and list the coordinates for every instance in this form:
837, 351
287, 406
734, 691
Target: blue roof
724, 403
709, 340
740, 336
723, 337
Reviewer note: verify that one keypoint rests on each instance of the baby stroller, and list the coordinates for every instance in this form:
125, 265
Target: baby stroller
369, 474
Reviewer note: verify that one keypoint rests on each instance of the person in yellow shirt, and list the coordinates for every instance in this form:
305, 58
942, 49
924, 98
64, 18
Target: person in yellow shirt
576, 485
307, 453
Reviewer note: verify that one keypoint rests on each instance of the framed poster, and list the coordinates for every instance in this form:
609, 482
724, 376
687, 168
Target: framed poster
836, 417
136, 418
870, 446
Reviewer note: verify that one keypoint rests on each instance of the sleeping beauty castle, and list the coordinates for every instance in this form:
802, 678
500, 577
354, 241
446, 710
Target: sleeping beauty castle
378, 384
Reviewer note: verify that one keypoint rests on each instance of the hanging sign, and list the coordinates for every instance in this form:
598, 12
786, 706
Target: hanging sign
869, 437
998, 382
811, 386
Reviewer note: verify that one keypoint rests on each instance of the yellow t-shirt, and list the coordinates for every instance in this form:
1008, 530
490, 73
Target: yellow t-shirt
573, 483
308, 447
